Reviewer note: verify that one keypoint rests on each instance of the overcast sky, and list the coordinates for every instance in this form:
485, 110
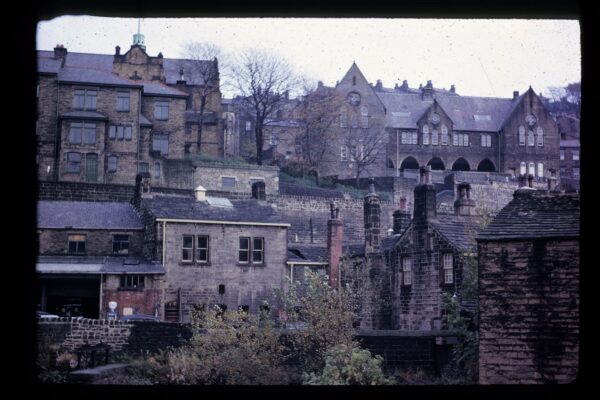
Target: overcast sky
480, 57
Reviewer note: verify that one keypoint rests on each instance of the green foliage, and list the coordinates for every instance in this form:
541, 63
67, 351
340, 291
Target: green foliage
349, 365
52, 365
230, 160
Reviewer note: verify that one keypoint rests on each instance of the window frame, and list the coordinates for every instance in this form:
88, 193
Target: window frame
245, 250
112, 167
540, 169
228, 177
522, 139
83, 101
343, 153
531, 169
132, 282
198, 249
188, 248
88, 129
562, 155
161, 140
143, 170
434, 137
523, 168
76, 132
161, 110
70, 163
115, 241
540, 136
121, 96
78, 243
447, 268
261, 250
157, 170
406, 266
530, 138
575, 155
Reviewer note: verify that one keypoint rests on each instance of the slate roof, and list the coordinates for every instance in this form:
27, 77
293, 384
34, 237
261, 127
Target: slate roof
307, 253
459, 230
93, 75
96, 265
189, 208
87, 215
570, 143
161, 89
535, 214
144, 121
388, 242
460, 109
83, 115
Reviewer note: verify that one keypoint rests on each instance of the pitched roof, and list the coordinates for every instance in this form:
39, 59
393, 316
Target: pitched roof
403, 109
307, 253
158, 88
188, 208
96, 265
93, 75
459, 230
388, 242
87, 215
535, 214
83, 115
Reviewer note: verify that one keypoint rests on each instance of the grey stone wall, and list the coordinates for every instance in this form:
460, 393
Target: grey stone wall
528, 311
197, 283
209, 176
98, 242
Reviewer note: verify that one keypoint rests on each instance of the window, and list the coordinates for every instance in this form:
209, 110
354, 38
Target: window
202, 249
448, 268
414, 137
562, 154
75, 132
406, 271
161, 110
244, 251
112, 163
119, 132
187, 248
73, 162
540, 170
521, 136
188, 129
530, 139
157, 170
455, 140
344, 153
121, 244
523, 169
563, 171
248, 125
257, 250
76, 244
445, 138
160, 143
425, 134
228, 182
91, 167
575, 155
132, 282
540, 136
186, 148
273, 140
461, 140
123, 101
143, 167
404, 137
531, 168
364, 112
89, 133
85, 99
343, 117
486, 140
434, 137
576, 172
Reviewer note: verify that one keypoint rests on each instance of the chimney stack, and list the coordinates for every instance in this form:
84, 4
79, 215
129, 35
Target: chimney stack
452, 89
404, 86
200, 193
401, 217
379, 86
552, 184
60, 53
464, 205
530, 181
335, 236
425, 201
522, 181
515, 94
258, 191
372, 213
427, 91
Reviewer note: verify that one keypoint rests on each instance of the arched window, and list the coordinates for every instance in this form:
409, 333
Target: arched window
540, 136
523, 169
540, 171
434, 137
425, 134
364, 116
531, 168
530, 139
521, 136
444, 135
343, 117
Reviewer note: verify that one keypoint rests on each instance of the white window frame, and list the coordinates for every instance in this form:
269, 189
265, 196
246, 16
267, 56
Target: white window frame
562, 154
531, 169
523, 168
540, 170
190, 249
522, 136
448, 267
343, 153
415, 137
575, 155
540, 136
260, 251
455, 139
405, 138
530, 138
246, 250
425, 138
198, 248
406, 271
434, 137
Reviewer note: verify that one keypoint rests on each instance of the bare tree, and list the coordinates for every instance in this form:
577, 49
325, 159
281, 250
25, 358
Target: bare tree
364, 139
262, 79
200, 69
317, 114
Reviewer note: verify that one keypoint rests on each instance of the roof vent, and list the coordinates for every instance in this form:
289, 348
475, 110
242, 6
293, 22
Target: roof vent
200, 193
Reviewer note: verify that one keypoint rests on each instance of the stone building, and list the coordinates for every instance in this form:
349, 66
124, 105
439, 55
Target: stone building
90, 253
104, 118
570, 151
439, 128
216, 251
529, 290
427, 256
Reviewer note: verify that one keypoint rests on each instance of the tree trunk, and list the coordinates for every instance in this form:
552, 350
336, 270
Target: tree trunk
259, 142
201, 122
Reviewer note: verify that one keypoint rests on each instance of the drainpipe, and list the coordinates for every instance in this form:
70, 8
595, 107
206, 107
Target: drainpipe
139, 133
100, 305
57, 135
397, 155
164, 249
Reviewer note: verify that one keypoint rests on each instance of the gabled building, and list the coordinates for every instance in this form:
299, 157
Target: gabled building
529, 272
90, 253
104, 118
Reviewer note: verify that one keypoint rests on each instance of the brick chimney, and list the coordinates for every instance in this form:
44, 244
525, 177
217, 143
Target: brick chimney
452, 89
60, 53
372, 213
378, 86
258, 191
425, 201
404, 86
117, 50
464, 205
401, 217
427, 92
335, 235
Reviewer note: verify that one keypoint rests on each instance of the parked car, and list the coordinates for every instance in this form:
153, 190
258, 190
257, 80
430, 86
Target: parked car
139, 317
45, 315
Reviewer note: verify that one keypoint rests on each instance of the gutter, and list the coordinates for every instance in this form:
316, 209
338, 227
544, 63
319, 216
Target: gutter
212, 222
292, 263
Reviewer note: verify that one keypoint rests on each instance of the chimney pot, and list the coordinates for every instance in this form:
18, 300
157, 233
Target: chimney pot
200, 193
515, 94
117, 50
452, 89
